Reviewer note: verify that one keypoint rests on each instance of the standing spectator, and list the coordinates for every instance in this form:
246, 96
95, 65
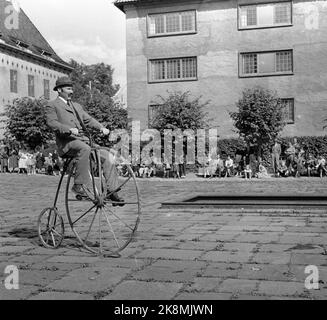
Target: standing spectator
4, 155
220, 165
22, 162
229, 167
167, 167
275, 155
321, 166
40, 159
290, 153
49, 165
248, 172
29, 163
213, 164
13, 161
182, 169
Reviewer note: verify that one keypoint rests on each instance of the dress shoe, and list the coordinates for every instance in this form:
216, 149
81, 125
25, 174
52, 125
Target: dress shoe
79, 190
115, 198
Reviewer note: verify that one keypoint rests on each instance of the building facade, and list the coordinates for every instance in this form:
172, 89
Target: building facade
29, 67
216, 49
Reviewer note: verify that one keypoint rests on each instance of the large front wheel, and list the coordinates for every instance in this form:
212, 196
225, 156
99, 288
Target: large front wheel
102, 226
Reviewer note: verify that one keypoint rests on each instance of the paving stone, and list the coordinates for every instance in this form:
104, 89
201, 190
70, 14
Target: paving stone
14, 249
204, 284
89, 279
214, 296
139, 290
272, 257
22, 293
74, 259
39, 277
239, 246
177, 254
309, 259
279, 288
265, 272
238, 286
227, 256
61, 296
222, 270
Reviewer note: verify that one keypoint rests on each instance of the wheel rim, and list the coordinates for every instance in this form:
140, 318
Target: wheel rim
51, 229
104, 228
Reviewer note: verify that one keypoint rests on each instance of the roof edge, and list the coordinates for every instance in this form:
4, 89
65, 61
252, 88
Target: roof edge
37, 57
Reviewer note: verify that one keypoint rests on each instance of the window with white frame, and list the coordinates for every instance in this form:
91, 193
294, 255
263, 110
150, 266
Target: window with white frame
288, 105
13, 81
172, 23
266, 63
46, 89
174, 69
265, 15
31, 87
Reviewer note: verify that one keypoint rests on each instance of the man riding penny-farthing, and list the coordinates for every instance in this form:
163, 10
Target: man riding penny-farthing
103, 209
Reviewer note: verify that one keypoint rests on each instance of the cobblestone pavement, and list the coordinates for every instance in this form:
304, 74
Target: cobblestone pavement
208, 253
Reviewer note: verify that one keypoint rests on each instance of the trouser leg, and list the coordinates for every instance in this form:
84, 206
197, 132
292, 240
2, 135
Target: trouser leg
109, 170
81, 152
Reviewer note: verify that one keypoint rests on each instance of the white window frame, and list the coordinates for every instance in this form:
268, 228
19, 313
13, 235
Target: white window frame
273, 25
31, 89
165, 33
13, 81
292, 100
267, 74
165, 79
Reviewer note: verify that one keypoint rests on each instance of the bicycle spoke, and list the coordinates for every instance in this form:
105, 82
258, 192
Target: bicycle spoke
53, 239
88, 232
123, 222
84, 215
112, 230
53, 230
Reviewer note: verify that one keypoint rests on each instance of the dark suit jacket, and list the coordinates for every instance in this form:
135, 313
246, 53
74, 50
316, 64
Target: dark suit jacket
61, 118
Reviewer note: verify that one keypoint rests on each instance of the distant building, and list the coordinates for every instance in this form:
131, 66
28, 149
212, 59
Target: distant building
29, 67
216, 49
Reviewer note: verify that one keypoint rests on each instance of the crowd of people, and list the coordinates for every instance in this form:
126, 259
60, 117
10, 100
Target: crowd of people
293, 161
30, 163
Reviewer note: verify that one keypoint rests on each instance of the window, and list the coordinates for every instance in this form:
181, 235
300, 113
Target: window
173, 69
13, 81
289, 110
31, 89
46, 86
172, 23
266, 63
153, 109
265, 15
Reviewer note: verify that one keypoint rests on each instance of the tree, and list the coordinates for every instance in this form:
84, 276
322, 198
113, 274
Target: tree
179, 111
94, 89
27, 122
260, 117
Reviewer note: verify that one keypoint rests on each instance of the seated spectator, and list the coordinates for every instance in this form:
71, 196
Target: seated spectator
220, 166
263, 173
310, 164
282, 170
321, 166
229, 167
248, 172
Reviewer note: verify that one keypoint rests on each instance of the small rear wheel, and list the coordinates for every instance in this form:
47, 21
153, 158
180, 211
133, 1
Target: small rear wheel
51, 228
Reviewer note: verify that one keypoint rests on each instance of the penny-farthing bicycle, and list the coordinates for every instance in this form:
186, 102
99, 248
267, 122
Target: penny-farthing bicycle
101, 226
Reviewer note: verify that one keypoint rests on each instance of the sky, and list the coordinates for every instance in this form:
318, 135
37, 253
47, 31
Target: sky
86, 31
